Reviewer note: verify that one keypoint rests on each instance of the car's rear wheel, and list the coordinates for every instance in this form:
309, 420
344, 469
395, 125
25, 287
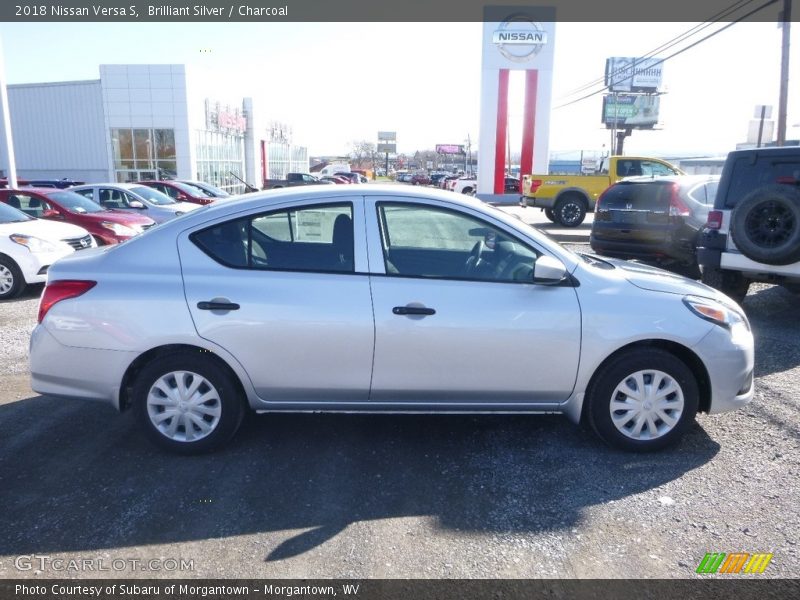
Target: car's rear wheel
765, 225
188, 403
643, 400
11, 280
570, 211
548, 212
730, 283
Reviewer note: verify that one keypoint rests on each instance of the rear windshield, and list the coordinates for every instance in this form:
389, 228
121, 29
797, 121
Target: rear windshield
638, 196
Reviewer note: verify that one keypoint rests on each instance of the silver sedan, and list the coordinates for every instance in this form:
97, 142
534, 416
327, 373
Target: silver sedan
135, 198
384, 299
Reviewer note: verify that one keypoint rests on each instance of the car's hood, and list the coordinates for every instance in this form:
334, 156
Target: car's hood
47, 230
181, 206
116, 216
659, 280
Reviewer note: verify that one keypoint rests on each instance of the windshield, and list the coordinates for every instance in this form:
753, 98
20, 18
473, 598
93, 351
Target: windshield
9, 214
207, 188
76, 203
191, 190
152, 195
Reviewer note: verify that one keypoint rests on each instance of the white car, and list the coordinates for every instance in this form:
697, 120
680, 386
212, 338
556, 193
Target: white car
29, 246
381, 299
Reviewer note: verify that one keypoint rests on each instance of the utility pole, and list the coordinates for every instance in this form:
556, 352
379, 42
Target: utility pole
6, 121
786, 17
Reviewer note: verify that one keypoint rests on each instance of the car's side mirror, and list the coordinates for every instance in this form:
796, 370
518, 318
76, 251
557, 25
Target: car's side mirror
136, 204
548, 271
181, 197
49, 213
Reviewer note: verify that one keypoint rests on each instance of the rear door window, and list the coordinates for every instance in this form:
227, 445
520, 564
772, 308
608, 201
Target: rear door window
315, 238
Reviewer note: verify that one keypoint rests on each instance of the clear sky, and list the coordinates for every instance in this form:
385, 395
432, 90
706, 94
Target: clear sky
340, 82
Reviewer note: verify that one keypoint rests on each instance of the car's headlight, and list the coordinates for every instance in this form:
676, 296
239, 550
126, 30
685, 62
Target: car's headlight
716, 312
118, 228
32, 243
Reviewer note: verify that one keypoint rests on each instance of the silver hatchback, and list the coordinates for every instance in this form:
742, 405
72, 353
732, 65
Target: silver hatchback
384, 299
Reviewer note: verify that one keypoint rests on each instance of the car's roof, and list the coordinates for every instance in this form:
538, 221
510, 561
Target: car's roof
124, 186
38, 190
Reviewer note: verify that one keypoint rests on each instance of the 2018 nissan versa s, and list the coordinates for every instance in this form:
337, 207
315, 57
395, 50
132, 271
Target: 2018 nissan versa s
381, 299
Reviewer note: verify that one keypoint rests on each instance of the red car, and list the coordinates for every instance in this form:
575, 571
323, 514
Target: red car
106, 226
180, 191
420, 179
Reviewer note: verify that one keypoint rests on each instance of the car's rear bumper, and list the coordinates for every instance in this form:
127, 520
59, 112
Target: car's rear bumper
72, 372
676, 250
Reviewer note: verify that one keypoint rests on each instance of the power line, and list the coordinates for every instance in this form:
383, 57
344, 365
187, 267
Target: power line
681, 51
673, 42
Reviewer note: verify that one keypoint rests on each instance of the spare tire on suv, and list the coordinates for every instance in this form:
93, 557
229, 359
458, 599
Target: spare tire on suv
765, 225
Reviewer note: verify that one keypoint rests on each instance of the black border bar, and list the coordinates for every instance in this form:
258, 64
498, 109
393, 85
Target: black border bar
596, 11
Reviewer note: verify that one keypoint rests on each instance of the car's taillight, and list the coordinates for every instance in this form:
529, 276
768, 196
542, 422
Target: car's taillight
714, 220
62, 290
598, 206
677, 207
535, 183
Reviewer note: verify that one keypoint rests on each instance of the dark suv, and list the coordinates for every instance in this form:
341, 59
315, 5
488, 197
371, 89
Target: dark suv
753, 232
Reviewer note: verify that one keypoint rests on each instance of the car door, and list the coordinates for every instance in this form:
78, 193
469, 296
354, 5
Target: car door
285, 290
458, 319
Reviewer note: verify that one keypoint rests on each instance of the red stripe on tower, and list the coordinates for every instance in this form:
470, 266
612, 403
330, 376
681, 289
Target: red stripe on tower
502, 131
529, 123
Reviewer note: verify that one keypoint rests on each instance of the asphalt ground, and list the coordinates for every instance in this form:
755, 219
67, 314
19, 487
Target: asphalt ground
319, 496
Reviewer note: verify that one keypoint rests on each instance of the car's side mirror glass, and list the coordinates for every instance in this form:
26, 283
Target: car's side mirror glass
136, 204
50, 213
548, 270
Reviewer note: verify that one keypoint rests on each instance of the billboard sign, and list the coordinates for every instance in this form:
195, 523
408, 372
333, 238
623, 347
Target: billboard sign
627, 74
624, 111
387, 136
449, 149
387, 148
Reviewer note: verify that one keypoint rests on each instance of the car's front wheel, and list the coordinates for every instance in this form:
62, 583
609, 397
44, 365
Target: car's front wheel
11, 280
570, 211
643, 400
188, 403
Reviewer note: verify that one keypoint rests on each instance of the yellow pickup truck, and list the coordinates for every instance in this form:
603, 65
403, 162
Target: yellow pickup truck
566, 199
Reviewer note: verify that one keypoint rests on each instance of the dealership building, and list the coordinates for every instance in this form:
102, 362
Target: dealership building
139, 122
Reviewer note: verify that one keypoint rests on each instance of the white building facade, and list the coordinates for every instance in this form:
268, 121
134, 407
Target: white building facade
140, 122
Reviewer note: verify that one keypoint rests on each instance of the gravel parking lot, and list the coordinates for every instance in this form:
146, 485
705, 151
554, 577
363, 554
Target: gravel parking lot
409, 496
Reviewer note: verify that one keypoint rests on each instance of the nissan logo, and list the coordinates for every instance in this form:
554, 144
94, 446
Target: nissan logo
519, 39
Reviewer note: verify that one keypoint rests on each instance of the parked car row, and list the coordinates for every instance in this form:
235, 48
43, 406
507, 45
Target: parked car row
727, 230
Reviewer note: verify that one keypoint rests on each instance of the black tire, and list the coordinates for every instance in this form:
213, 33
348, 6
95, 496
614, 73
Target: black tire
217, 383
765, 225
548, 212
12, 283
621, 370
730, 283
570, 210
467, 191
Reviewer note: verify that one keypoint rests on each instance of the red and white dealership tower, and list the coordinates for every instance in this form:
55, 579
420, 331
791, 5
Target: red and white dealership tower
515, 38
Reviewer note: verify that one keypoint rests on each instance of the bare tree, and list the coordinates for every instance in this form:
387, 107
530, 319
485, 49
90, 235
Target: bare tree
362, 153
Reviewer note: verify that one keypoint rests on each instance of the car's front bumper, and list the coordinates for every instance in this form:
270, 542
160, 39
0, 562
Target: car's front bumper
729, 359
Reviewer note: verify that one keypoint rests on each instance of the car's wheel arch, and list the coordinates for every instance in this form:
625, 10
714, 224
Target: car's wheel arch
577, 193
147, 357
683, 353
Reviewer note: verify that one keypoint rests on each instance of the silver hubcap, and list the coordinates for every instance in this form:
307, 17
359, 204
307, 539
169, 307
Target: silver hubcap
646, 405
6, 279
184, 406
